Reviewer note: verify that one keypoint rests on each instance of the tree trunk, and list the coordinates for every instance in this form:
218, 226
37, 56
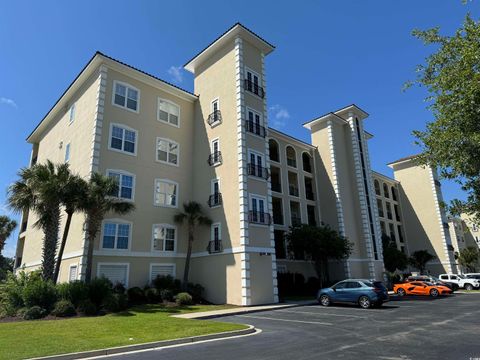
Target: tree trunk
187, 259
92, 230
50, 242
62, 246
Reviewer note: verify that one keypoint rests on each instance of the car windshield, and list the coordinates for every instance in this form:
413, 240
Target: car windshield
461, 276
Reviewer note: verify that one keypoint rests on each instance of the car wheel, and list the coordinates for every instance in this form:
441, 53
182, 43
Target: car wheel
364, 302
468, 287
401, 292
324, 300
434, 293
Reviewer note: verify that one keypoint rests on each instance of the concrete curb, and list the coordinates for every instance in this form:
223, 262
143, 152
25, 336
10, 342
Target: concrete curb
151, 345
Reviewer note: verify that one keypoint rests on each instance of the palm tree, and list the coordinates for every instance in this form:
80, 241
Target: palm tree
419, 259
7, 225
96, 204
193, 215
38, 190
72, 194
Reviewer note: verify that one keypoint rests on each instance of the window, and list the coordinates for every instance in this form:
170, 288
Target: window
389, 211
167, 151
277, 208
392, 232
312, 219
125, 96
125, 183
280, 246
215, 198
380, 208
72, 273
382, 227
215, 244
341, 285
116, 235
67, 153
168, 112
257, 210
164, 237
273, 150
123, 139
394, 194
166, 193
377, 187
161, 270
255, 165
216, 232
116, 273
353, 285
474, 227
307, 162
254, 123
291, 157
71, 113
385, 191
215, 156
252, 83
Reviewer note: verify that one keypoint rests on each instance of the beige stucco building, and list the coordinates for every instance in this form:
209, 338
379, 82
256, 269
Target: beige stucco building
167, 146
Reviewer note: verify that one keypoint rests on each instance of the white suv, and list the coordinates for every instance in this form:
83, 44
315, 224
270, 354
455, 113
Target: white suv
460, 280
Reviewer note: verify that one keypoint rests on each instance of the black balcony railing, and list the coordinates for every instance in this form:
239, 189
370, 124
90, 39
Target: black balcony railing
296, 221
276, 186
254, 88
255, 128
258, 217
214, 118
23, 227
293, 190
309, 195
215, 158
258, 171
215, 200
215, 246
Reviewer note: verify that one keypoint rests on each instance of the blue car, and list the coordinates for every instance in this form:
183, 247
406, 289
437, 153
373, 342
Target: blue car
365, 293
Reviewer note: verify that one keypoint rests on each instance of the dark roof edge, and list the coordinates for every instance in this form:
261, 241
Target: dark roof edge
404, 159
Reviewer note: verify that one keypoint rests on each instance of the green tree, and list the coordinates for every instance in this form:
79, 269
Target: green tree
318, 243
192, 215
72, 195
38, 190
419, 259
7, 226
96, 203
6, 266
393, 258
468, 258
451, 76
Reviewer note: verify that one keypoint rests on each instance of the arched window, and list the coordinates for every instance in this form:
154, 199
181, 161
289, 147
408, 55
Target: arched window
377, 187
385, 191
291, 157
307, 162
274, 153
394, 193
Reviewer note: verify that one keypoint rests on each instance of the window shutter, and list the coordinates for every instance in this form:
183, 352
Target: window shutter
162, 270
72, 276
114, 273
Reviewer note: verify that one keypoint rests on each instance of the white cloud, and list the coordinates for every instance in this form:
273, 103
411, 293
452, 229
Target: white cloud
278, 115
9, 102
176, 73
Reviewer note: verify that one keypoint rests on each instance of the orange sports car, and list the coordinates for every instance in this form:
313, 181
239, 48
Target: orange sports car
420, 288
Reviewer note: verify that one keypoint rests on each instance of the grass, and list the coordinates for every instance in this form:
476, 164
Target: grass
26, 339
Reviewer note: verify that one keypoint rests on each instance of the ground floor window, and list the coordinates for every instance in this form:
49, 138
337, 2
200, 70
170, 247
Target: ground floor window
116, 273
161, 270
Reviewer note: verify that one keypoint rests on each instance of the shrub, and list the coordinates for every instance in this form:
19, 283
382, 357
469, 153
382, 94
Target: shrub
153, 296
87, 307
64, 308
183, 299
75, 292
167, 282
21, 312
11, 293
122, 301
111, 304
196, 290
166, 294
35, 312
99, 289
118, 288
38, 292
135, 295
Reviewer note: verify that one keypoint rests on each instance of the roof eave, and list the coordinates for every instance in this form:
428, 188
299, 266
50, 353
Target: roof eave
330, 116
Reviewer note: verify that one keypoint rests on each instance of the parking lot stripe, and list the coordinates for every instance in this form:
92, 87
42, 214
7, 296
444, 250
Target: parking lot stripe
321, 313
277, 319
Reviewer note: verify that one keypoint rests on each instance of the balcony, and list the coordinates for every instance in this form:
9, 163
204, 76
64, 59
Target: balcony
249, 85
258, 171
215, 200
215, 246
293, 190
214, 118
256, 129
215, 158
258, 217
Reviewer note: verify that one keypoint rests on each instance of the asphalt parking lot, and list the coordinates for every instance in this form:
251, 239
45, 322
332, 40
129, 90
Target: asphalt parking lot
404, 328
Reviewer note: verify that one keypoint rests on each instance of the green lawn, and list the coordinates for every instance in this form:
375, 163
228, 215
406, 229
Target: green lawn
20, 340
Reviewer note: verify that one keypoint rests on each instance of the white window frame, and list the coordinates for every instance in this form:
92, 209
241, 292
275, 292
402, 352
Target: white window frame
212, 231
212, 188
170, 141
286, 157
171, 103
71, 113
169, 182
263, 157
162, 264
124, 127
117, 222
216, 100
170, 226
265, 206
127, 85
217, 139
70, 272
283, 210
255, 112
127, 278
123, 173
68, 153
253, 72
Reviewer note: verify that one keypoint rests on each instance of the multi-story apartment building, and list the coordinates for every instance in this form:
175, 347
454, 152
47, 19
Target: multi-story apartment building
471, 230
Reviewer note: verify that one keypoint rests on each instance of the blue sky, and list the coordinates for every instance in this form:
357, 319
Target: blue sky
328, 54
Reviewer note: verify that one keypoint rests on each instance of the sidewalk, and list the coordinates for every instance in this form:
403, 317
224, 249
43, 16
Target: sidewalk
242, 310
